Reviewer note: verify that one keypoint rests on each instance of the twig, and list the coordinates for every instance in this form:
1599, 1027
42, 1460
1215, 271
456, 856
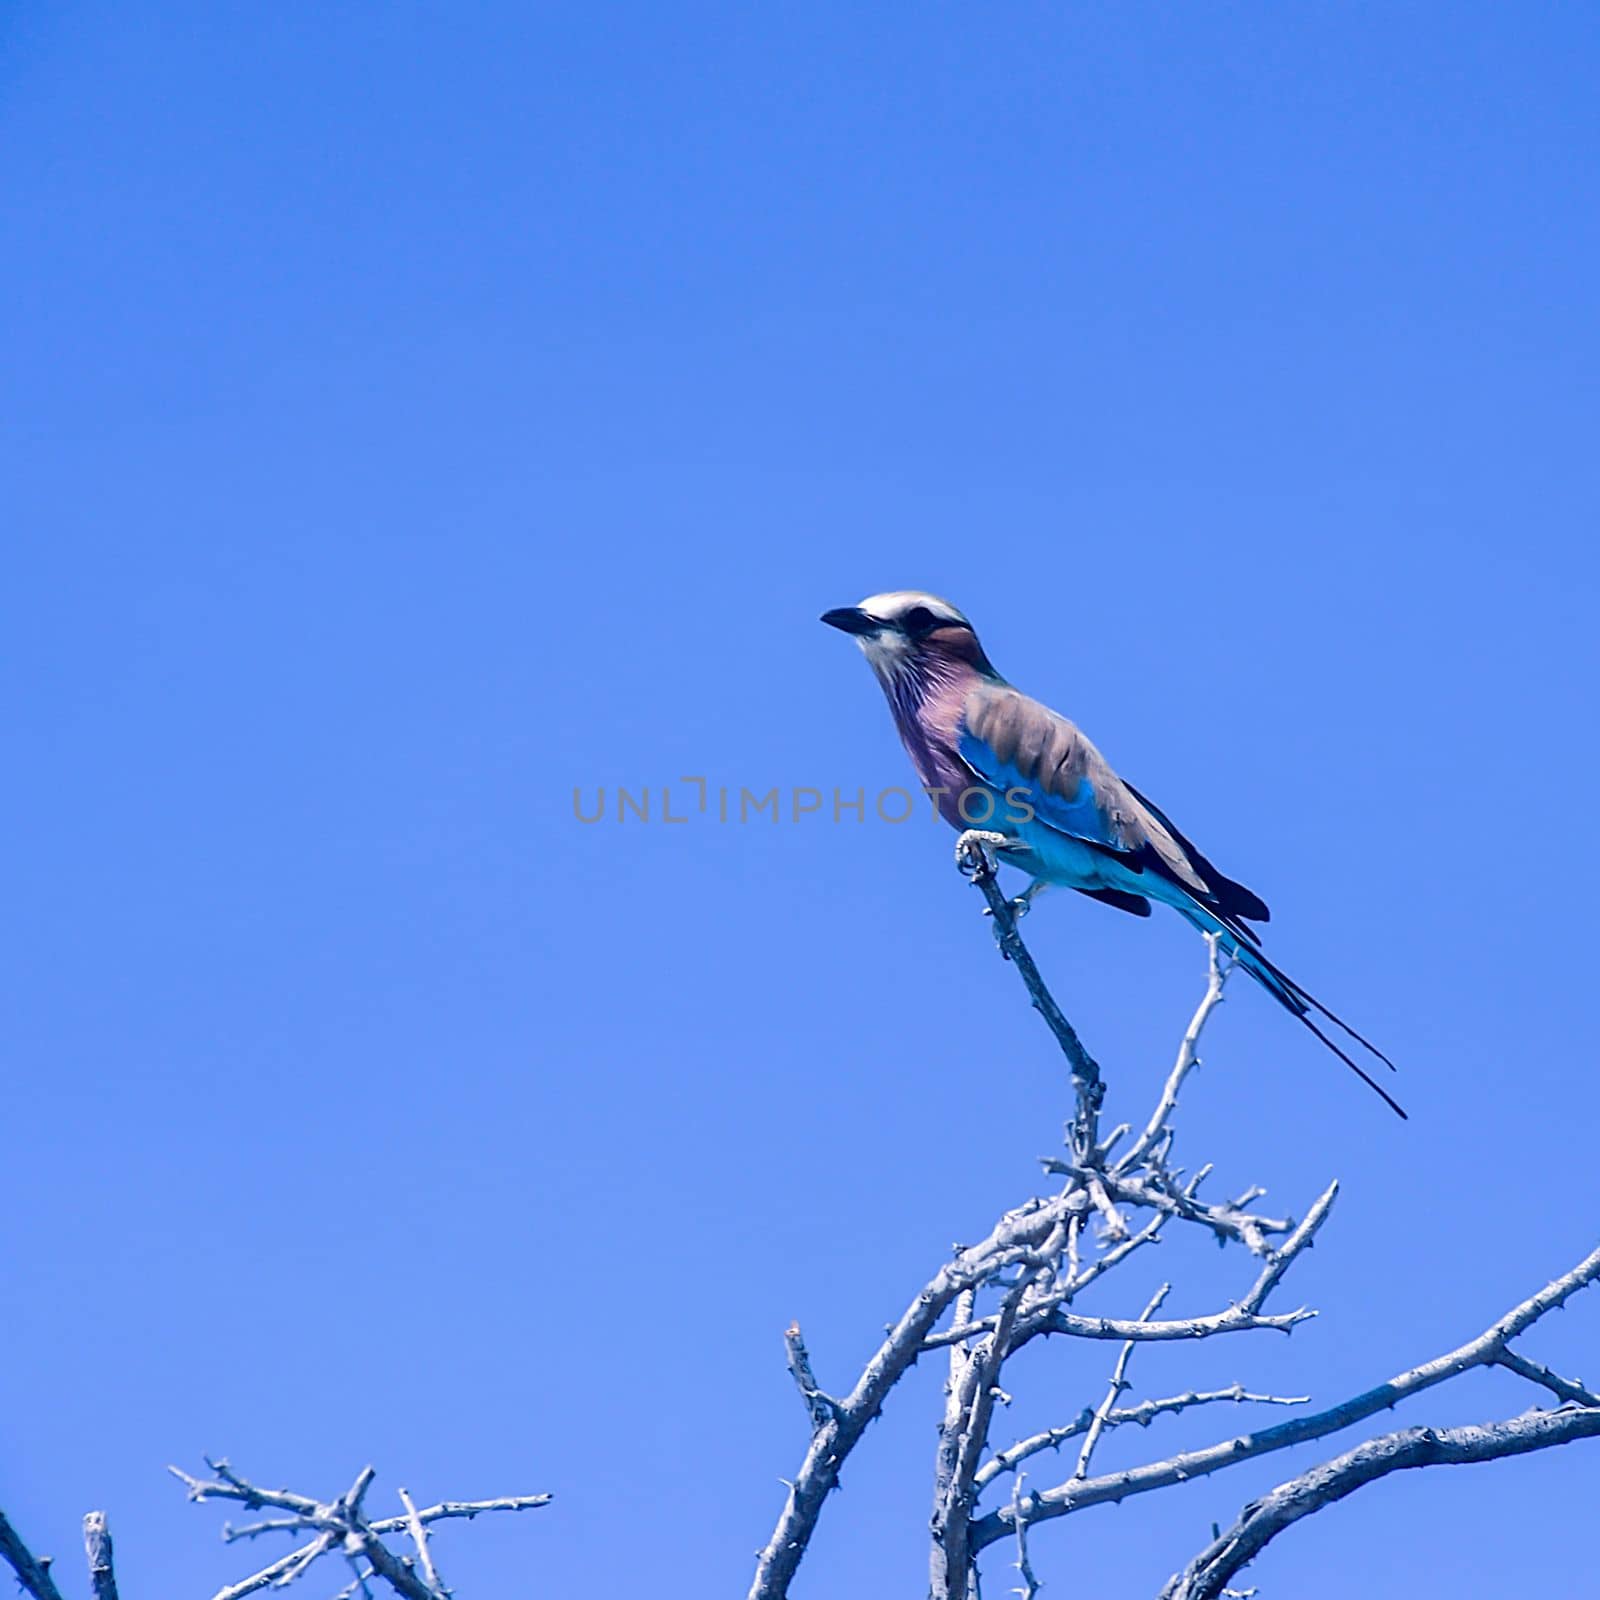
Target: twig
227, 1485
1284, 1257
819, 1407
268, 1574
419, 1537
1115, 1224
302, 1562
1568, 1389
1097, 1423
1236, 1319
1142, 1414
254, 1530
1229, 1221
463, 1508
1076, 1326
1218, 971
980, 868
1030, 1585
1078, 1281
358, 1583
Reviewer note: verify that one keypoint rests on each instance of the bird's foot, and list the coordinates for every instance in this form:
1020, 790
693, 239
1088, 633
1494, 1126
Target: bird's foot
972, 850
1023, 904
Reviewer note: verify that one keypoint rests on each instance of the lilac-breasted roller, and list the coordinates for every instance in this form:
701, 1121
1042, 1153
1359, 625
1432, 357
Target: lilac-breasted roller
998, 761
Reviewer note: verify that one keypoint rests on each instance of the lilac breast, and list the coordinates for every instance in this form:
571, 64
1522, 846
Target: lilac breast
927, 711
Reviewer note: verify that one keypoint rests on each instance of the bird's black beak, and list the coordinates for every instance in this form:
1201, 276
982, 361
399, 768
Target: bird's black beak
850, 619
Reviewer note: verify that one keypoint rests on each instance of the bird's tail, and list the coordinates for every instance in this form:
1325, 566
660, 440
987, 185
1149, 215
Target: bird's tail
1298, 1002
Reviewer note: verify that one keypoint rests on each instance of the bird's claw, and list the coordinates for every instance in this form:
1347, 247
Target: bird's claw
1020, 907
973, 847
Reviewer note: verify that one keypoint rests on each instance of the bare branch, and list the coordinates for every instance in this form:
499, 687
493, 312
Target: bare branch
1236, 1319
963, 1437
1079, 1280
33, 1573
1206, 1576
463, 1508
819, 1407
1034, 1261
1097, 1423
419, 1537
254, 1530
388, 1566
358, 1584
302, 1562
1284, 1257
1218, 971
1567, 1389
1143, 1414
1029, 1586
1078, 1494
972, 855
1013, 1242
1246, 1316
227, 1485
1228, 1220
270, 1574
1113, 1221
1019, 1241
341, 1525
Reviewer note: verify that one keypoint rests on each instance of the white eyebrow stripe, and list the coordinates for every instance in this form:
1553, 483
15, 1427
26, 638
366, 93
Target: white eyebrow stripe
895, 603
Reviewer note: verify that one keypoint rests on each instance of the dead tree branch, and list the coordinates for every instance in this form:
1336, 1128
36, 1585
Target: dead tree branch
1022, 1282
341, 1526
1026, 1280
97, 1547
32, 1572
1078, 1494
975, 861
1206, 1577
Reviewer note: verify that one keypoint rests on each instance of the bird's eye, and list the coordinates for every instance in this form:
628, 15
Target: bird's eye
919, 619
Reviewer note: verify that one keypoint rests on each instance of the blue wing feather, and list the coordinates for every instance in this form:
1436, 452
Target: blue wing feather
1081, 815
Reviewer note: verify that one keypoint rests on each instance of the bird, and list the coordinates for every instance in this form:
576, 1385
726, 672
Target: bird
996, 760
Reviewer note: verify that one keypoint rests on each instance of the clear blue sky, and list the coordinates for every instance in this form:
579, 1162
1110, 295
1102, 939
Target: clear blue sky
413, 412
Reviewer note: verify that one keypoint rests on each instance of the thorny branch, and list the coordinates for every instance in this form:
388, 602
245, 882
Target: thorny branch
1119, 1382
1485, 1350
1206, 1577
341, 1525
1024, 1281
337, 1527
975, 861
1143, 1413
32, 1573
1035, 1265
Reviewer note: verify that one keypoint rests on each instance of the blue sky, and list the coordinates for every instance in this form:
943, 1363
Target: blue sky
411, 413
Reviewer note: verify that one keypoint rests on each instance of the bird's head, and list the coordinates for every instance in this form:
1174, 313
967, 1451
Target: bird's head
909, 631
